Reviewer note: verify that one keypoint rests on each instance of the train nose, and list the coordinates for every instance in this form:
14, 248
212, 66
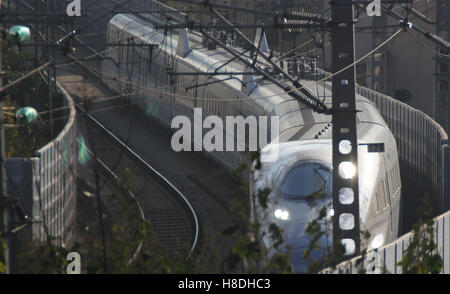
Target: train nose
293, 220
301, 264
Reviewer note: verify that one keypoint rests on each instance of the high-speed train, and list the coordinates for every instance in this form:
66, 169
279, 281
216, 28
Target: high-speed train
304, 149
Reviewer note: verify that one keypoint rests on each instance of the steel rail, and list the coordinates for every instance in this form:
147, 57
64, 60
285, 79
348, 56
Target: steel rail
138, 249
159, 177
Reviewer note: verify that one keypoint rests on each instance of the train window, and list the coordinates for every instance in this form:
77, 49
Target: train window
391, 180
392, 177
305, 180
381, 196
394, 180
399, 180
386, 192
377, 199
397, 183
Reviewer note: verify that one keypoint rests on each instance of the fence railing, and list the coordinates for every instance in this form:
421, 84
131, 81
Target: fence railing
44, 184
387, 258
424, 155
425, 169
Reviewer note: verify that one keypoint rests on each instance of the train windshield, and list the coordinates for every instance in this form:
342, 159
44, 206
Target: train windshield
305, 180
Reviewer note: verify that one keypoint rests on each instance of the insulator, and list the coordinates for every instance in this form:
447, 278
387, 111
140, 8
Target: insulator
19, 34
26, 115
295, 22
311, 16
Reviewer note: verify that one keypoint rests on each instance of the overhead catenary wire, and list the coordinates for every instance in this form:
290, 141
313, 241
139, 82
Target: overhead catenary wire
309, 51
188, 97
426, 47
15, 82
283, 56
154, 90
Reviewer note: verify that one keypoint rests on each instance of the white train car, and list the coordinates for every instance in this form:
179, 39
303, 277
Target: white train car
304, 161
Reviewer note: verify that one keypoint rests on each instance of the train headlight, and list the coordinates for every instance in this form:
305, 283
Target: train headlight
331, 212
281, 214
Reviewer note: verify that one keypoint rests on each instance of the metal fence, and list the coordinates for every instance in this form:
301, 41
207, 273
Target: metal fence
387, 258
44, 185
424, 156
425, 169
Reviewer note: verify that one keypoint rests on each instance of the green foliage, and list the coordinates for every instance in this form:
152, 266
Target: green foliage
263, 197
2, 256
43, 258
30, 91
421, 256
318, 228
125, 232
248, 254
23, 141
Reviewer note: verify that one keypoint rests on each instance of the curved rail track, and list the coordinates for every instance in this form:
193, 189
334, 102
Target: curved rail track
170, 223
198, 180
174, 222
165, 222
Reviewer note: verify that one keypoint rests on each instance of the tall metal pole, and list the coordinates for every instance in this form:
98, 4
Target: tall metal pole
442, 74
50, 72
345, 146
4, 202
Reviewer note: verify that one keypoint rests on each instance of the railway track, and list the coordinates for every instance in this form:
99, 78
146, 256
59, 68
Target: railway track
203, 183
206, 186
175, 222
170, 215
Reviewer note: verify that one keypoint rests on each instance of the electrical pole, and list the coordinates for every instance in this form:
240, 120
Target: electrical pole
51, 72
442, 73
345, 145
4, 201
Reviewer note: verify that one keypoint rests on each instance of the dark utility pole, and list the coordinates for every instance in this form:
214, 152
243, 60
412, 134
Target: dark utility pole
4, 201
442, 74
345, 147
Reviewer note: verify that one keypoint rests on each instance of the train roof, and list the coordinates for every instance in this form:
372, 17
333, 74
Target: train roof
266, 95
